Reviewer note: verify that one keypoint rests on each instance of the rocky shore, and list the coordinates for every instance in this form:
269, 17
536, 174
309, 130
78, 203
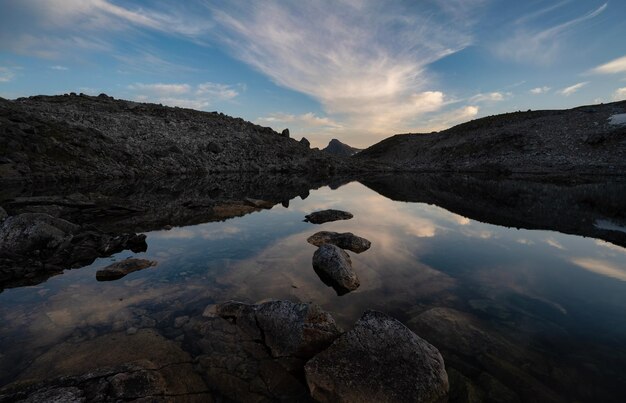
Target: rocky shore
272, 351
584, 140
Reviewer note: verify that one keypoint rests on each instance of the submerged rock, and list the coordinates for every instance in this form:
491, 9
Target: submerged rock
346, 240
334, 268
120, 269
320, 217
378, 360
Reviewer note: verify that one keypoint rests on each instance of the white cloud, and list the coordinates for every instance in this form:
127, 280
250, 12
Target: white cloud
364, 63
305, 120
58, 67
572, 88
216, 91
619, 94
489, 97
183, 95
528, 45
539, 90
614, 66
6, 74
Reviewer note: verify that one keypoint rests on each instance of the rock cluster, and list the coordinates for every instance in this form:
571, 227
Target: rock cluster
259, 352
38, 245
331, 263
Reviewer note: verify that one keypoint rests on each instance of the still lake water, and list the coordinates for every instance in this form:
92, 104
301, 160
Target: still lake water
516, 313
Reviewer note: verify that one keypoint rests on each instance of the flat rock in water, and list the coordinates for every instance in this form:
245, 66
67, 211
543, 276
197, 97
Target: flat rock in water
120, 269
334, 268
320, 217
379, 360
346, 240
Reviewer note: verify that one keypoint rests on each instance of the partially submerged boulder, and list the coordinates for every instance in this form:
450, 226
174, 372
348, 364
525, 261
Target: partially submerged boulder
379, 360
320, 217
118, 270
334, 268
345, 240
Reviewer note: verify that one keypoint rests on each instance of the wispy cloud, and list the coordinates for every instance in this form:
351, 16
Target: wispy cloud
6, 74
305, 120
59, 67
363, 62
619, 94
489, 97
540, 90
572, 88
184, 95
614, 66
532, 45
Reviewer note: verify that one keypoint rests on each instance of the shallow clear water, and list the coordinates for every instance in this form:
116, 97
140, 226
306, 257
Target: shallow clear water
547, 307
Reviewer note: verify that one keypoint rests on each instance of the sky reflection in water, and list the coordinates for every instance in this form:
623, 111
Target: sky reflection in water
540, 283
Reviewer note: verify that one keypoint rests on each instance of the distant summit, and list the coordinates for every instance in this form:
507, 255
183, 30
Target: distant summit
340, 149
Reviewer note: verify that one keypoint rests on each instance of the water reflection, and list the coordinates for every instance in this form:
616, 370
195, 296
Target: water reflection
529, 314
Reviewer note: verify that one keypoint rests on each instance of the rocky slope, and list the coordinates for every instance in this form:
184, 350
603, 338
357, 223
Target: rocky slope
78, 136
336, 147
581, 140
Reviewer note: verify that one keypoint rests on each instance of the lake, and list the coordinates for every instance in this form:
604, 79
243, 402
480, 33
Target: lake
520, 284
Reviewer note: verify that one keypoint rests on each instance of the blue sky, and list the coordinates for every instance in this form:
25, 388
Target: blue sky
357, 70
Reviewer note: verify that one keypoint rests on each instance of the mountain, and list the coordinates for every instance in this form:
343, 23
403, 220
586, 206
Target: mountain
79, 137
340, 149
587, 139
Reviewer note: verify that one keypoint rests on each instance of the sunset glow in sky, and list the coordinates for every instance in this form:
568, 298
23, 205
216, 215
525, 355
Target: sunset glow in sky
357, 70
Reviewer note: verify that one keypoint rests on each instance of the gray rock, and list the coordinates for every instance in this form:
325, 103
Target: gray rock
285, 133
305, 142
320, 217
346, 240
257, 352
3, 214
334, 268
34, 231
378, 360
121, 269
286, 328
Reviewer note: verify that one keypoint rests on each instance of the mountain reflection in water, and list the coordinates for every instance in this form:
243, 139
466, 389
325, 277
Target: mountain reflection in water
535, 314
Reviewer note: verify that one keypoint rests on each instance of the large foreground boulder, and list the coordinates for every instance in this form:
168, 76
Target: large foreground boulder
379, 360
320, 217
345, 240
257, 352
334, 268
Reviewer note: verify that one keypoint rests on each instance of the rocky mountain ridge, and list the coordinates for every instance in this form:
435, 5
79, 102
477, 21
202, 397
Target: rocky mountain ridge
80, 137
583, 140
336, 147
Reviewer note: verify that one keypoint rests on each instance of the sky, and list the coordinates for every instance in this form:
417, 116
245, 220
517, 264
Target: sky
356, 70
